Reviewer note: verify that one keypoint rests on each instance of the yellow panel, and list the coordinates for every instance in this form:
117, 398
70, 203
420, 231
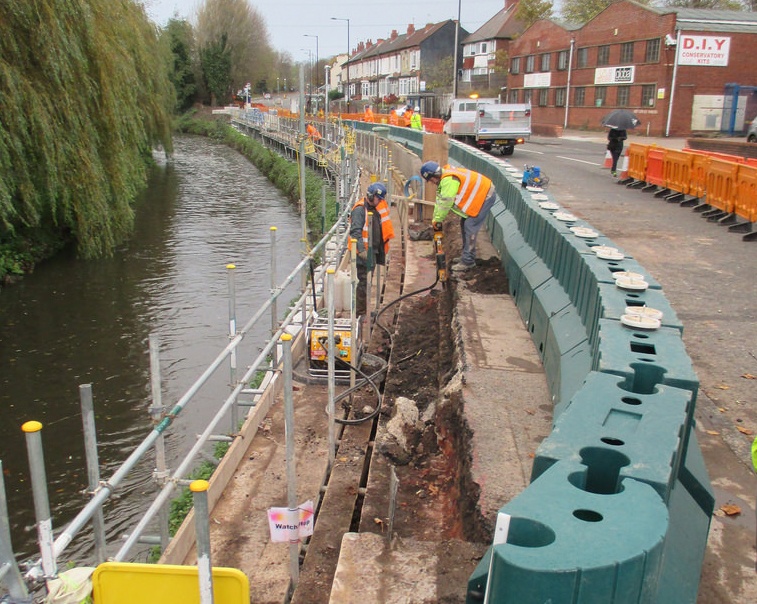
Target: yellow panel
127, 583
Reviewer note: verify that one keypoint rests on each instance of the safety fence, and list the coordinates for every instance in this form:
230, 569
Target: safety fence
619, 504
722, 187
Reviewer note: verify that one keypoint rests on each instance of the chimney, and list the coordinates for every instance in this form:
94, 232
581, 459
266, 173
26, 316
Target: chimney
509, 3
410, 29
394, 35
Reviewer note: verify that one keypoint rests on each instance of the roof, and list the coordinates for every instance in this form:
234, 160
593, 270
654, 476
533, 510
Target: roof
401, 42
503, 25
707, 19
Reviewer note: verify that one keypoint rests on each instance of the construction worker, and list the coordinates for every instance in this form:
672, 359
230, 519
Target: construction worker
406, 115
394, 119
468, 194
368, 114
383, 231
415, 119
313, 133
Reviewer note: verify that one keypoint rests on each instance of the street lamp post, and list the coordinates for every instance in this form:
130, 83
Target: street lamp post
347, 95
457, 49
316, 56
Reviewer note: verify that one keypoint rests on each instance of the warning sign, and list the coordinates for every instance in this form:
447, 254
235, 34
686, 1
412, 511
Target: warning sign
291, 526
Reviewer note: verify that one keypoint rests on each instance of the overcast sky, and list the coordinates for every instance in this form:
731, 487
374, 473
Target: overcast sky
289, 20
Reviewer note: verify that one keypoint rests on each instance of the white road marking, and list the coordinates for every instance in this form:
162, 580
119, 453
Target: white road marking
591, 163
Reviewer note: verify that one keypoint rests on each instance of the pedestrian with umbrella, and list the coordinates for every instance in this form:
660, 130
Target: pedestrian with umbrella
618, 121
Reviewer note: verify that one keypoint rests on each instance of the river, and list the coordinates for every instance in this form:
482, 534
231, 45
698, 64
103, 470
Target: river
76, 322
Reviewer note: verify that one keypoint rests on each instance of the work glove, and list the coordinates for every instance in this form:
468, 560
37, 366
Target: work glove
437, 227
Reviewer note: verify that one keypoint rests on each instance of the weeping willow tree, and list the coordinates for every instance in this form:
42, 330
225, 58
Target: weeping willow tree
84, 96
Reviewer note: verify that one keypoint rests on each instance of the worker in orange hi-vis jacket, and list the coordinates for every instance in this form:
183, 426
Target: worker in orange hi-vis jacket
368, 115
394, 119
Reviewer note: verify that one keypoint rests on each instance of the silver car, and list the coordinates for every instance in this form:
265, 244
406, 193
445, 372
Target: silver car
751, 134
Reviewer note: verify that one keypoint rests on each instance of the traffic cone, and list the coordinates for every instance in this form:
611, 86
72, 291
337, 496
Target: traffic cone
623, 165
608, 160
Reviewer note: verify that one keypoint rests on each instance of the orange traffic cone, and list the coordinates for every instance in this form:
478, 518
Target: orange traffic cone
608, 160
623, 165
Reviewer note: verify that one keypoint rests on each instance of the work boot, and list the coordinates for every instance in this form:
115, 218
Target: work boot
460, 266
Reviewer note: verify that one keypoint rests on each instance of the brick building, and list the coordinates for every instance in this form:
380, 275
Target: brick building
679, 70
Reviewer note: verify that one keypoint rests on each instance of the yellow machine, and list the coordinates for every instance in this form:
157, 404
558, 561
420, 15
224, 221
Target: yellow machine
441, 258
347, 347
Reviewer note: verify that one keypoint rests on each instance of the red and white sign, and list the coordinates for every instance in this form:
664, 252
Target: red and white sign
709, 51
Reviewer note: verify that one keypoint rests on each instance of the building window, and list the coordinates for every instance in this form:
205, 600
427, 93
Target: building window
562, 60
559, 97
515, 66
653, 51
527, 96
582, 57
530, 60
647, 95
600, 96
543, 97
483, 48
603, 55
513, 96
545, 61
579, 96
626, 52
624, 93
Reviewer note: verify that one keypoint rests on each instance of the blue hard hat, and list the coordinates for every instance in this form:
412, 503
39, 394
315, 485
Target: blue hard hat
376, 190
429, 169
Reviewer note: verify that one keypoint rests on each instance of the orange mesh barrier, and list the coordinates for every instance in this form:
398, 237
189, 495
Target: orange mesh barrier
655, 167
751, 161
637, 161
721, 184
677, 170
699, 166
746, 192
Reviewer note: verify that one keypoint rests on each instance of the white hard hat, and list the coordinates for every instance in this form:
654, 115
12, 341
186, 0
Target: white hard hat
417, 108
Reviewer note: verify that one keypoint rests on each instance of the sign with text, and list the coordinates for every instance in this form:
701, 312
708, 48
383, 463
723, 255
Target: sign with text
291, 526
614, 75
537, 80
710, 51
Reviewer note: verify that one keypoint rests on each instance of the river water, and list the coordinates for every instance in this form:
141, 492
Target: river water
78, 322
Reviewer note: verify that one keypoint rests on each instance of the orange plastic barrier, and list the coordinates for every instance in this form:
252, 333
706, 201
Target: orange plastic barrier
677, 170
699, 166
737, 159
721, 184
751, 161
637, 161
433, 124
656, 166
746, 192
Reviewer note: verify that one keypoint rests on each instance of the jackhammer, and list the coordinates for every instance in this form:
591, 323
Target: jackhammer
441, 258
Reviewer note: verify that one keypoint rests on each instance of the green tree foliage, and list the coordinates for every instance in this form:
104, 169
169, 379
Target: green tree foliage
83, 97
247, 40
439, 75
581, 11
531, 11
180, 39
712, 4
215, 59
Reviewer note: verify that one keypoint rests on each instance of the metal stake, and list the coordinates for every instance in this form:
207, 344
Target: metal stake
232, 333
331, 368
274, 305
93, 466
9, 571
156, 414
294, 554
41, 502
199, 489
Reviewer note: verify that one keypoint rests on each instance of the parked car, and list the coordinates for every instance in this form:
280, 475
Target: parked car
751, 134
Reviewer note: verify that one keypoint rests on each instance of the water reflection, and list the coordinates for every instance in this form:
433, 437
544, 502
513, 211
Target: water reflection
75, 322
